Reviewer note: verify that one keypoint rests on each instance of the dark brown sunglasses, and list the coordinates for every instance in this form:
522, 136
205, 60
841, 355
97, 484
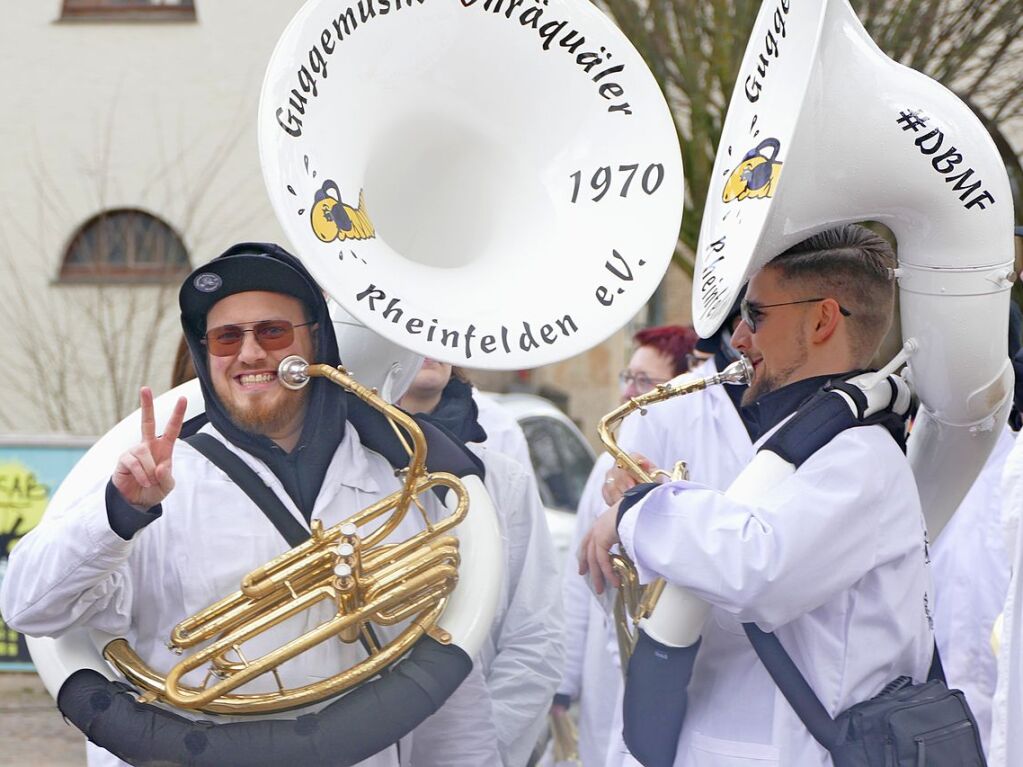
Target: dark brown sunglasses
226, 340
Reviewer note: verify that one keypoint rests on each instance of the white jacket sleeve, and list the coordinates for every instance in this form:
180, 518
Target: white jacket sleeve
812, 536
1007, 705
1012, 498
574, 591
526, 650
71, 570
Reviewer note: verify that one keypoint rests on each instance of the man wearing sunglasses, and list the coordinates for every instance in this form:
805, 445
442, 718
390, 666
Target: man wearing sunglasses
832, 558
134, 558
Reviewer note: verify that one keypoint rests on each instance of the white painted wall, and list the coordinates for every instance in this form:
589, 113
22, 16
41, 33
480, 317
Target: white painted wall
155, 115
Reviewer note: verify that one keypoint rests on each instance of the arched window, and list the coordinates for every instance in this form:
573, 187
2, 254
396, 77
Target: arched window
128, 10
124, 246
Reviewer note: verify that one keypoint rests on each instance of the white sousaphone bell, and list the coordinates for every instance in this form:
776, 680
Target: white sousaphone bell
491, 183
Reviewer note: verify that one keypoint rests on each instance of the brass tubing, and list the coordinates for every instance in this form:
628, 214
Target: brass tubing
418, 602
429, 586
444, 549
243, 634
380, 605
263, 582
417, 460
608, 426
120, 654
178, 696
236, 608
370, 560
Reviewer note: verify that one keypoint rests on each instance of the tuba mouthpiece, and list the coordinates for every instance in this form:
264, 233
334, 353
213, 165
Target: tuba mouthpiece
292, 373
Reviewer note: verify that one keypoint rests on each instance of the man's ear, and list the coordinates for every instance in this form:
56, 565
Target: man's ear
826, 317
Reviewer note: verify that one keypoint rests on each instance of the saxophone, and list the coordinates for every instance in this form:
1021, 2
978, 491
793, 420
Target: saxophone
635, 601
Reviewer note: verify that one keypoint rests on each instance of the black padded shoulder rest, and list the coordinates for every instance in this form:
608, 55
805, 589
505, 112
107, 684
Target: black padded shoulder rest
350, 729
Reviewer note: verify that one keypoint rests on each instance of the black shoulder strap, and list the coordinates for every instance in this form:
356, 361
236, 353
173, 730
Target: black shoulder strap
797, 690
793, 685
250, 483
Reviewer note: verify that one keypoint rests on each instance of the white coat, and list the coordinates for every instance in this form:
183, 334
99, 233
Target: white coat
703, 429
524, 653
74, 571
592, 672
832, 559
504, 435
1006, 749
971, 578
522, 659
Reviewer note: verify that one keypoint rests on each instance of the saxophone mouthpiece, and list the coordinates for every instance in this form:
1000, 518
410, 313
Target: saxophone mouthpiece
739, 372
293, 373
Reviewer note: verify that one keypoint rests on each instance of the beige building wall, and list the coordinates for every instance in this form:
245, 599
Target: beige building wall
98, 115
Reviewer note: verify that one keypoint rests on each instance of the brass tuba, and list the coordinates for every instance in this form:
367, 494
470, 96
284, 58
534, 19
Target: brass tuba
635, 601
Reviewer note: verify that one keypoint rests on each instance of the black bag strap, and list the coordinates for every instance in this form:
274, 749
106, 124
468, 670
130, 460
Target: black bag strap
250, 483
793, 685
797, 690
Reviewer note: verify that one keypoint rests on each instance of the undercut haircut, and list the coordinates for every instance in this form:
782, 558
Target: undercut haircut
854, 266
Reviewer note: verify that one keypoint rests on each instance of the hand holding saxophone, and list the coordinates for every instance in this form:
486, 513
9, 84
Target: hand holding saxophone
595, 551
618, 479
144, 473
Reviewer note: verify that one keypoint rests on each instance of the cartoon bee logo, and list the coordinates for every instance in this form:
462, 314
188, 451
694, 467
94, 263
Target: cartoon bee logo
757, 174
332, 219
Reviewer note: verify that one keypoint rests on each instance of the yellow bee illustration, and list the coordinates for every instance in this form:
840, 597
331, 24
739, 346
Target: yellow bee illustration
757, 174
332, 219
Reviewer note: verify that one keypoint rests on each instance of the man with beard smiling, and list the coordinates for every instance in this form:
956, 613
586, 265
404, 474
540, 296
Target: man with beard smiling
134, 558
832, 558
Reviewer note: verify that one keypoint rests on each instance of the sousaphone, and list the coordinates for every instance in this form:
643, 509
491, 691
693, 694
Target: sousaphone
823, 129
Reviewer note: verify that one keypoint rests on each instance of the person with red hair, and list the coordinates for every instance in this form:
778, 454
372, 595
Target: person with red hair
661, 354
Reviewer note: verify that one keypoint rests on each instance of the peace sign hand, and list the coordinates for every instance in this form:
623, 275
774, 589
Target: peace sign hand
143, 474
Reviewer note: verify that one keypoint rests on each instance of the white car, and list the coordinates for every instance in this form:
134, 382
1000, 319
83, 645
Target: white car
561, 456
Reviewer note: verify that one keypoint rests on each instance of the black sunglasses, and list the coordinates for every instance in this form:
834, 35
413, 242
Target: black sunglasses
751, 311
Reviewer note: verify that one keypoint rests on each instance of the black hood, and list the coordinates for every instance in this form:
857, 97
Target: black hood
264, 266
